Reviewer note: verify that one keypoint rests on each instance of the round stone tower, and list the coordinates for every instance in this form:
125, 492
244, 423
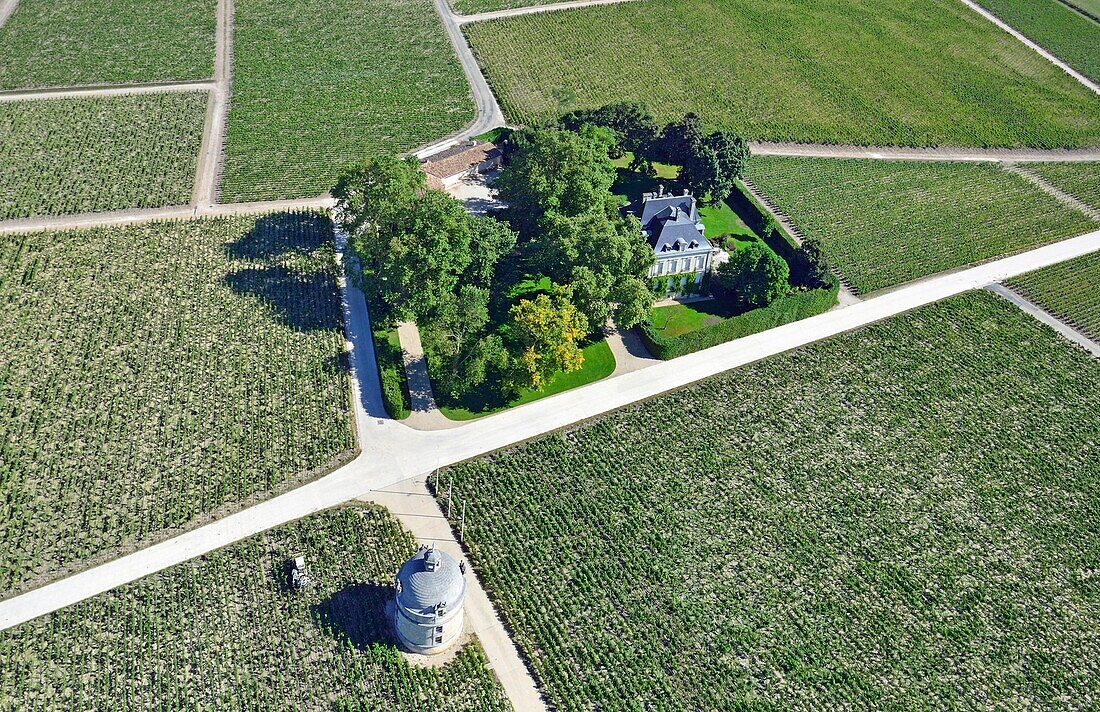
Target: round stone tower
431, 589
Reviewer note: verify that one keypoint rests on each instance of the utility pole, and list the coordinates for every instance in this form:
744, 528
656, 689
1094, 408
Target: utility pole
462, 529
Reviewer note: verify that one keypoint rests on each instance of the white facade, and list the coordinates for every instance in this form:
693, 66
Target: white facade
431, 589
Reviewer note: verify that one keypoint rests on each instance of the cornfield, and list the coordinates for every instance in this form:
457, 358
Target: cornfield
887, 222
79, 155
331, 82
897, 518
224, 633
877, 72
1068, 290
156, 373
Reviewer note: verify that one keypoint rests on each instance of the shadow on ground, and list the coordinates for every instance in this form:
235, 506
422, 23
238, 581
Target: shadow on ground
357, 614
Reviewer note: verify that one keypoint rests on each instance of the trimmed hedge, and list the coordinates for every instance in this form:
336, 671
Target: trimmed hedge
795, 306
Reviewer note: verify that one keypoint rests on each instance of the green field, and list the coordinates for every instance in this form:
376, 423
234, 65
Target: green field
1066, 34
469, 7
902, 517
223, 633
675, 319
887, 222
1068, 290
67, 42
1091, 7
880, 72
329, 83
156, 373
1081, 180
80, 155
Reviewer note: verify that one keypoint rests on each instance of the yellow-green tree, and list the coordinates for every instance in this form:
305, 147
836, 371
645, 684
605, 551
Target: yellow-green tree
545, 331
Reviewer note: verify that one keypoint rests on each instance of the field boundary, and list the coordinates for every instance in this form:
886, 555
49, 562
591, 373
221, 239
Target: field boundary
212, 150
1081, 78
94, 90
7, 8
1054, 191
1041, 314
932, 154
1079, 10
530, 10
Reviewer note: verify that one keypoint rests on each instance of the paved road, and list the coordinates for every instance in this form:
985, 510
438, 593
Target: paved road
1088, 83
1047, 318
393, 453
947, 153
104, 90
7, 7
217, 109
532, 10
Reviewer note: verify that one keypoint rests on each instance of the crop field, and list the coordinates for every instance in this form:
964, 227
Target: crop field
1066, 34
887, 72
887, 222
224, 633
326, 86
469, 7
80, 155
1081, 180
900, 514
159, 372
67, 42
1068, 290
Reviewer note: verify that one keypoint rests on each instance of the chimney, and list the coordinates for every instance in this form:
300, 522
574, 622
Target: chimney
660, 190
686, 192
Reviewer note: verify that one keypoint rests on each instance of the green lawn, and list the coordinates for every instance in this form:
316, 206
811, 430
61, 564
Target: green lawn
883, 223
391, 372
331, 82
887, 72
901, 517
67, 42
156, 374
1066, 34
223, 633
599, 363
1081, 180
80, 155
1067, 290
676, 319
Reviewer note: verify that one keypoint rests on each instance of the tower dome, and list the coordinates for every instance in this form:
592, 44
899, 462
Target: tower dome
431, 589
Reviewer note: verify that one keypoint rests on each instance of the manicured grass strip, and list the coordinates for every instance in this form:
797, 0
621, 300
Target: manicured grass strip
156, 373
1066, 34
67, 42
599, 363
1081, 180
80, 155
330, 82
899, 517
1068, 290
887, 222
886, 71
223, 632
676, 319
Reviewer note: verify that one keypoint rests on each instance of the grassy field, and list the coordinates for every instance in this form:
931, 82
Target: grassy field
887, 222
223, 633
91, 154
325, 86
885, 72
599, 363
1081, 180
156, 373
1066, 34
1067, 290
902, 517
66, 42
676, 319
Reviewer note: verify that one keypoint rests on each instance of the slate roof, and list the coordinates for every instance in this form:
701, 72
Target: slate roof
430, 577
671, 224
459, 158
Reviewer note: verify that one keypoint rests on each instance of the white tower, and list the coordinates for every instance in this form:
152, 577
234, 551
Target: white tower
431, 589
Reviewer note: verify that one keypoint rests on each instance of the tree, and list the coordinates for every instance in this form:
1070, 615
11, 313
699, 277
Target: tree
455, 339
371, 196
680, 139
812, 267
754, 275
558, 171
713, 165
635, 128
605, 259
545, 331
492, 240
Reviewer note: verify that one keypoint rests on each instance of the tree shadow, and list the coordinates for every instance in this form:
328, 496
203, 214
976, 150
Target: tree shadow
277, 234
357, 614
306, 301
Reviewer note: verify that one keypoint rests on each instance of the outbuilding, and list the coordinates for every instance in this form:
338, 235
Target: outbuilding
431, 589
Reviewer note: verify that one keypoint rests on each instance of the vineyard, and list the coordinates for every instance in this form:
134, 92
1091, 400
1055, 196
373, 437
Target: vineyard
469, 7
1067, 290
224, 633
156, 373
67, 42
1081, 180
91, 154
1066, 34
901, 514
325, 86
886, 71
887, 222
